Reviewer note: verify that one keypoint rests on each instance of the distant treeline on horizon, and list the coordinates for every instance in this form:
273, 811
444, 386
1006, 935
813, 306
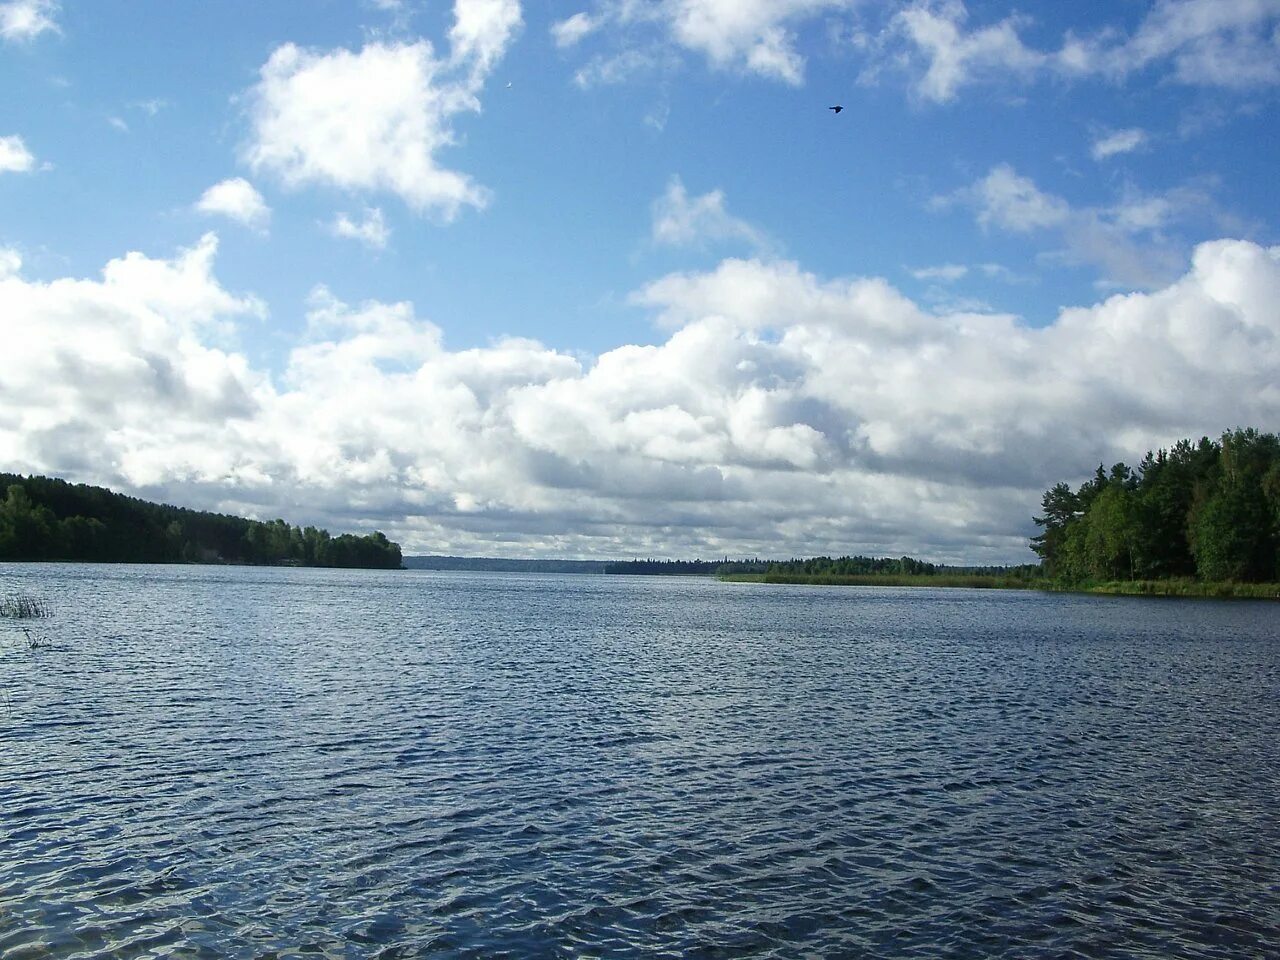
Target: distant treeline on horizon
504, 564
813, 566
43, 518
846, 566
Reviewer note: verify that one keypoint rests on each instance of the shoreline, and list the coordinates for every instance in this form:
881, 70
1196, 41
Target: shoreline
1127, 588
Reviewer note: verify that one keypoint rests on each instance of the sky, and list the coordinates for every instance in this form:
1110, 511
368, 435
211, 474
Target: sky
608, 278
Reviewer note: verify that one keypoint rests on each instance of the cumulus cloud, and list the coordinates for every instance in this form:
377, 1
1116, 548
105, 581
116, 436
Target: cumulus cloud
14, 155
371, 229
753, 36
1118, 142
785, 413
136, 354
375, 120
238, 200
482, 32
10, 262
27, 19
683, 221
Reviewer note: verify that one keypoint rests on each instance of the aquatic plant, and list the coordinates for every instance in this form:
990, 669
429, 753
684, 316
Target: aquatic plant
36, 641
23, 606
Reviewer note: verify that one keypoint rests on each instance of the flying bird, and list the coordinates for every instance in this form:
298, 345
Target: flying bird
836, 108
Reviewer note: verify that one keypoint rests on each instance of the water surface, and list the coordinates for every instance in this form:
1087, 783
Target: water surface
236, 762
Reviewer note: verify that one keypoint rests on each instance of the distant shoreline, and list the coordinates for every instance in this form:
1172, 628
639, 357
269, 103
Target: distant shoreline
1127, 588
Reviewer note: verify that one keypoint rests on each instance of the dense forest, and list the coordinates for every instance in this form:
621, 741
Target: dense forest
1207, 510
47, 519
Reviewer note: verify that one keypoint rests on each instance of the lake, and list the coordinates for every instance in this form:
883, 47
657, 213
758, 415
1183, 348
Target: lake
240, 762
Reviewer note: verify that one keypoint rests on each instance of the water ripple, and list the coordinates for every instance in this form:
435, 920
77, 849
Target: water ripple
291, 763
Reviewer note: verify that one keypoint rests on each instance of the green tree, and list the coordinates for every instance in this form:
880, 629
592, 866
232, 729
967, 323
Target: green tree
1232, 535
1111, 533
27, 530
1059, 508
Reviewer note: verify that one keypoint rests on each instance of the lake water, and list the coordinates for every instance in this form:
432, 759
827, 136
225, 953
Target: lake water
234, 762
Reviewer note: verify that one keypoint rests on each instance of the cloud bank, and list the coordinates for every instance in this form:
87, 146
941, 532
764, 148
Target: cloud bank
784, 414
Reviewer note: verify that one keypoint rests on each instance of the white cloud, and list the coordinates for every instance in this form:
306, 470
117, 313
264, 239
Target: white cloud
482, 32
750, 34
27, 19
150, 107
618, 68
1208, 43
110, 353
1118, 142
957, 57
1127, 240
14, 155
681, 221
1013, 202
237, 199
1225, 43
947, 272
567, 32
372, 120
753, 36
10, 262
371, 230
784, 414
375, 120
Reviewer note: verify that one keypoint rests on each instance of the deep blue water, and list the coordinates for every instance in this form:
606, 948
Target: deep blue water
232, 762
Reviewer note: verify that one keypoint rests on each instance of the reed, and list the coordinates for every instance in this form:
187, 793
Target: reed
23, 606
36, 641
1188, 588
965, 580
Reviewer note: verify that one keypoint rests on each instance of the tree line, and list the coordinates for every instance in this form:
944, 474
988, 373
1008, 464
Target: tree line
1208, 510
43, 518
664, 568
855, 566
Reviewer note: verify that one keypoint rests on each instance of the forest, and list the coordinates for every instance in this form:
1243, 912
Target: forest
855, 566
1208, 511
42, 518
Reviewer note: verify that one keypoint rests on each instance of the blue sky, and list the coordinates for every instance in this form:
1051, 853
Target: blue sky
608, 278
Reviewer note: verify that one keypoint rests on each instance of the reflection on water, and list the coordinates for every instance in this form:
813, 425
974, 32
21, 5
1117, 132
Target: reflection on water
258, 763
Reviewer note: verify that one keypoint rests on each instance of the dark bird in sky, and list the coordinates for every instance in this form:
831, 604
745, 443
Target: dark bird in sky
837, 109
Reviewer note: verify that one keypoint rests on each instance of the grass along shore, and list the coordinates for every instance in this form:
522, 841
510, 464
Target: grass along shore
973, 581
1127, 588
